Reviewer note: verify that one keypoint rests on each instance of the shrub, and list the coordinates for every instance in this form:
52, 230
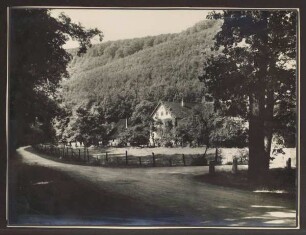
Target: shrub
201, 161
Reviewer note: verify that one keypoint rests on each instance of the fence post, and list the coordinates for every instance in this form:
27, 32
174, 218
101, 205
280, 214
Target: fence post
84, 154
153, 159
216, 156
126, 157
79, 154
235, 166
87, 155
139, 160
106, 157
211, 167
184, 161
288, 163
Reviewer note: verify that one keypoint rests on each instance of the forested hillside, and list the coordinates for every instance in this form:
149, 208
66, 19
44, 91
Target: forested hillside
112, 78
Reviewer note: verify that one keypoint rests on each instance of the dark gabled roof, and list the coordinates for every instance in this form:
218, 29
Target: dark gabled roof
176, 108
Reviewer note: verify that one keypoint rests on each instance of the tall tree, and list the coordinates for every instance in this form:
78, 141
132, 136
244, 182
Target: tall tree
254, 70
138, 132
38, 62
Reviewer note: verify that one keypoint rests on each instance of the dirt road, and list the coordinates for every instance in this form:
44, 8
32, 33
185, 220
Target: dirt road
188, 201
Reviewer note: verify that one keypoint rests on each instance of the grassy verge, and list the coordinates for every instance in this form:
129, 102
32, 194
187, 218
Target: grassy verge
42, 192
279, 182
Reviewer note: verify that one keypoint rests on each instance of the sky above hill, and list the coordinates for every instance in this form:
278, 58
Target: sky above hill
122, 24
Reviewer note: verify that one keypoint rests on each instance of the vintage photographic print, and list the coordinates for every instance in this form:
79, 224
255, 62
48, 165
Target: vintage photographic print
153, 117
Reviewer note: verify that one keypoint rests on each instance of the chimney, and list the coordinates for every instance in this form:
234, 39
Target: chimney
126, 123
182, 102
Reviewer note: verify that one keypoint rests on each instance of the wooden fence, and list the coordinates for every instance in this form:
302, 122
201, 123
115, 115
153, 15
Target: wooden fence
83, 156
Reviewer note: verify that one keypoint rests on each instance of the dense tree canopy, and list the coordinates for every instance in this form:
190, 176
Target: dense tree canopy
38, 62
127, 78
164, 67
256, 75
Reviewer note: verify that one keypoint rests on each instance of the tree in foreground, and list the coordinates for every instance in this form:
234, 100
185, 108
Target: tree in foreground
38, 62
255, 74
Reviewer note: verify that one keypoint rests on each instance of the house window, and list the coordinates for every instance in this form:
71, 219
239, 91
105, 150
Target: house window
166, 112
161, 113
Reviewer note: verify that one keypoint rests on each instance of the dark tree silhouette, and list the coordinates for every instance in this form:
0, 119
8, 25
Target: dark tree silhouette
256, 72
37, 63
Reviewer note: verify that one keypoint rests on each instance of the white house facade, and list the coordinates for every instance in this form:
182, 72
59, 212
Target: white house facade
167, 113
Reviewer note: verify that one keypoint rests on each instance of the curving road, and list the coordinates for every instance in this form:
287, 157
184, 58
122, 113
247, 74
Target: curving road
188, 201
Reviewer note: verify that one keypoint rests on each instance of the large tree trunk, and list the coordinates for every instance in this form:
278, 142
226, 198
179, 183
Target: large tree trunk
269, 124
258, 160
257, 157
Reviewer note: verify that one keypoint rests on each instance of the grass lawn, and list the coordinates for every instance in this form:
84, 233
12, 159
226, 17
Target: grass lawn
280, 181
227, 154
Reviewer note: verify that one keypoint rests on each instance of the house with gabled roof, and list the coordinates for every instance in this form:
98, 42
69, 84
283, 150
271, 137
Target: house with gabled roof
168, 113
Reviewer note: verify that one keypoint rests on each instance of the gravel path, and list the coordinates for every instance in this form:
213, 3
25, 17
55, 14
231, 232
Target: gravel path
175, 190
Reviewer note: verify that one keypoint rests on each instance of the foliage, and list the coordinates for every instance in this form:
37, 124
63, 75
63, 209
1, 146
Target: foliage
163, 67
255, 70
169, 133
85, 126
124, 137
229, 132
139, 135
37, 63
205, 126
138, 131
142, 113
136, 135
183, 133
127, 78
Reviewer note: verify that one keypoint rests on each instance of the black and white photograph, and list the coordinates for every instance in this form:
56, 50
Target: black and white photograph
153, 117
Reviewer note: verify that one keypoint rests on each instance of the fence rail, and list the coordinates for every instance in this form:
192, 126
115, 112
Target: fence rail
83, 156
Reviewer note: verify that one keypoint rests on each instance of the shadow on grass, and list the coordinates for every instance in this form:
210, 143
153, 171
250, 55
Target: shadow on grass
280, 182
40, 195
